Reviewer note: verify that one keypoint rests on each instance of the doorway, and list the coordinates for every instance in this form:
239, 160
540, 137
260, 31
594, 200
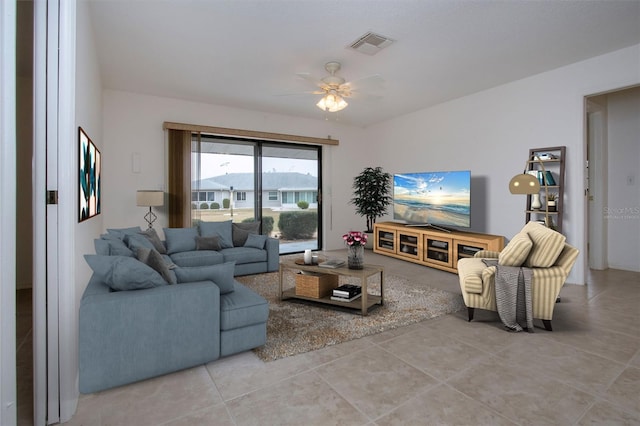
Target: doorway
613, 168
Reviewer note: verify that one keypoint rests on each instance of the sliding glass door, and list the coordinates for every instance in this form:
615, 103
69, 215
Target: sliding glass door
290, 188
249, 180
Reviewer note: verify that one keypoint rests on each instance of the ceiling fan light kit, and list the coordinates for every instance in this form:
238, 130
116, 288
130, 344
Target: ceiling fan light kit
335, 89
332, 102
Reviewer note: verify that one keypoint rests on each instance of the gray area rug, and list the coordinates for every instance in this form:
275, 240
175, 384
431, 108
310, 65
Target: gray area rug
295, 327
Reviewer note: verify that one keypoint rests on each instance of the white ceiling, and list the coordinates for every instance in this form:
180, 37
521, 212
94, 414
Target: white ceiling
246, 53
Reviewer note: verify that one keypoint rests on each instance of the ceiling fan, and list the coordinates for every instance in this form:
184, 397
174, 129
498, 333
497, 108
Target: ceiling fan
335, 88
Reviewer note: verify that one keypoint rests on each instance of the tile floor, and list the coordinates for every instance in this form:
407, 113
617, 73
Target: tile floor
438, 372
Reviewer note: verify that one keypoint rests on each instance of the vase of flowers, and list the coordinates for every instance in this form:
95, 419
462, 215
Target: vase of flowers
355, 241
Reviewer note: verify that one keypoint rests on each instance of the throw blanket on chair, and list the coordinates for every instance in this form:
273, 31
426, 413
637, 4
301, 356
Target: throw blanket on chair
513, 295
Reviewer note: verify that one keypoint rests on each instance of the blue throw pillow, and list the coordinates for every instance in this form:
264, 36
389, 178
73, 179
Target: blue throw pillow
221, 275
117, 247
124, 273
255, 241
121, 232
180, 239
220, 229
102, 246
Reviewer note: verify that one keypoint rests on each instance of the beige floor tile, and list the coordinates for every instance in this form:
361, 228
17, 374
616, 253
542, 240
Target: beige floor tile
521, 394
606, 343
215, 415
625, 390
332, 353
486, 336
442, 405
434, 352
584, 370
304, 399
155, 401
375, 381
604, 413
244, 373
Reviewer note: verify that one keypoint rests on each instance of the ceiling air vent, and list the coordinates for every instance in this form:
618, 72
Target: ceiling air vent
371, 43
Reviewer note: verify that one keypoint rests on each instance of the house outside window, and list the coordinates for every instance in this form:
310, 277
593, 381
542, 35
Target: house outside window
241, 196
273, 195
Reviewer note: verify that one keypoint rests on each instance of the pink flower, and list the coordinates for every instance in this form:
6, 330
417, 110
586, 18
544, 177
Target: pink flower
355, 238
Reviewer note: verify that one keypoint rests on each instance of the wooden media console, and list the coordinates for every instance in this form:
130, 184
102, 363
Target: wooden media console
431, 247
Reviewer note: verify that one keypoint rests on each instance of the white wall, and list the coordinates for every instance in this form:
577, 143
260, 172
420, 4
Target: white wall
491, 132
622, 212
133, 124
88, 115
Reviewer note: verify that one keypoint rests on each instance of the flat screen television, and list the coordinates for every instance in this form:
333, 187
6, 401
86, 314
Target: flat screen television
436, 199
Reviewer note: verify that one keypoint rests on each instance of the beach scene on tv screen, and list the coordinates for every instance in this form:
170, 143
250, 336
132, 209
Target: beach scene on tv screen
436, 198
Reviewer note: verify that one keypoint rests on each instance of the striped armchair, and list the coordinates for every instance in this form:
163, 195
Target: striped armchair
549, 257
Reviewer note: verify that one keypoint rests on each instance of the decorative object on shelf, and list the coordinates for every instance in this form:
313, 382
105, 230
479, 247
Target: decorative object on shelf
371, 194
307, 257
355, 241
549, 180
150, 198
551, 201
535, 202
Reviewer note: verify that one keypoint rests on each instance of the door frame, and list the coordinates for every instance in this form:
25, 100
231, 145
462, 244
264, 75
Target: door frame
8, 393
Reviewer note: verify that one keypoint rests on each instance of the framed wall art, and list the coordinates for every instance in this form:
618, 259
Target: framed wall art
89, 189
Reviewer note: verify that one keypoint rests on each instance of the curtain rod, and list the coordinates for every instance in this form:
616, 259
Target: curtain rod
168, 125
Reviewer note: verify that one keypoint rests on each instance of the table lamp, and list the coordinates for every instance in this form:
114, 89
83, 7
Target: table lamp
150, 198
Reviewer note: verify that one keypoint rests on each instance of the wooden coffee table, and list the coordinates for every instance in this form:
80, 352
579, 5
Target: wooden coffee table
362, 304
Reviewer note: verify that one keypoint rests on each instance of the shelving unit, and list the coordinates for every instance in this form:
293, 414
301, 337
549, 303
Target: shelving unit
555, 166
430, 247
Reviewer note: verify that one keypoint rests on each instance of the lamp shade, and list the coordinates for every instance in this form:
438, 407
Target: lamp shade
524, 184
149, 198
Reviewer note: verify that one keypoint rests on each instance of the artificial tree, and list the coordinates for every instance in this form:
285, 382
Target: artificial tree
371, 189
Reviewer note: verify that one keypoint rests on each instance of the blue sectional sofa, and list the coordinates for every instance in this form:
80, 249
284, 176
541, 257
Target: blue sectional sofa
145, 313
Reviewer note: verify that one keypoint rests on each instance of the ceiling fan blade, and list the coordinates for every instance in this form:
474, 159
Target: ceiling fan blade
363, 96
311, 79
370, 83
310, 92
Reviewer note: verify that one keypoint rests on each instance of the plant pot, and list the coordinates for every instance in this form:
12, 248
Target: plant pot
355, 257
551, 205
369, 244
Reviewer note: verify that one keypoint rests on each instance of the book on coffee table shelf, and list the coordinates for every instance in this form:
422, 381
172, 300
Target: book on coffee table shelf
346, 291
332, 263
345, 299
